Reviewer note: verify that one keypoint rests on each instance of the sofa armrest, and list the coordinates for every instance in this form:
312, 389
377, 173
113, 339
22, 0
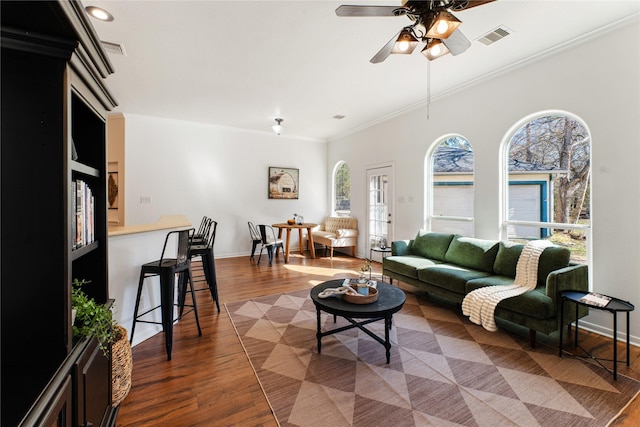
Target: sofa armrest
571, 278
401, 247
342, 233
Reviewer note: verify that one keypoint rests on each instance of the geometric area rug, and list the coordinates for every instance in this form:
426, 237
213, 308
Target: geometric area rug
444, 371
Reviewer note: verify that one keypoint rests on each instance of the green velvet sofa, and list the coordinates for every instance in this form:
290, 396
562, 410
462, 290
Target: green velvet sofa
449, 266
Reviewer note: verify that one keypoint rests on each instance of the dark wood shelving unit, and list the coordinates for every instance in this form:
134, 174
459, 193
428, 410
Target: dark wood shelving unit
84, 169
53, 98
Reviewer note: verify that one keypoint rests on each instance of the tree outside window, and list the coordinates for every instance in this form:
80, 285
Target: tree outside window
553, 151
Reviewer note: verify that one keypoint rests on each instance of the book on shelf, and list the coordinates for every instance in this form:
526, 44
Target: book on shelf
595, 299
84, 209
74, 151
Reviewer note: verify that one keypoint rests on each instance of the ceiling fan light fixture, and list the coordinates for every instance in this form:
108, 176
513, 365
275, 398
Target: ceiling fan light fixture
434, 49
405, 43
443, 25
277, 128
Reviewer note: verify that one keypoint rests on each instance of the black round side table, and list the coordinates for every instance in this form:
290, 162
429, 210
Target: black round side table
597, 302
386, 251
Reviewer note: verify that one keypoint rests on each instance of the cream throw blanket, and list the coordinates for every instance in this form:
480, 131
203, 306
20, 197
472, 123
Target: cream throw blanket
480, 304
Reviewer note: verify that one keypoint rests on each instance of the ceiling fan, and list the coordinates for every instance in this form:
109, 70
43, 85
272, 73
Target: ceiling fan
433, 24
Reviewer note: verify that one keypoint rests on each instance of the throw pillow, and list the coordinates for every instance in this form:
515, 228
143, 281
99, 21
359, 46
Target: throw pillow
431, 245
473, 253
553, 258
507, 258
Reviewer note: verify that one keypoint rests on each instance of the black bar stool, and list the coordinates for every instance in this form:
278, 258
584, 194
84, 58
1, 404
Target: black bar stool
167, 268
202, 234
205, 252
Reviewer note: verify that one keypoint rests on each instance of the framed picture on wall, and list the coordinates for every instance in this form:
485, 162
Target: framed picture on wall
112, 182
283, 183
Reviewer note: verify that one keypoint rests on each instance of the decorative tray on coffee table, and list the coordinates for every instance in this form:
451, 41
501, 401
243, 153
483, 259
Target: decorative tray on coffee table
361, 299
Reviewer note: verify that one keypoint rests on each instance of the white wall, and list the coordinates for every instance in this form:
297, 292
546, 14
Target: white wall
198, 169
598, 81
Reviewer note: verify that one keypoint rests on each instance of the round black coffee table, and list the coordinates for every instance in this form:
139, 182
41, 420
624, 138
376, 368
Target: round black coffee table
390, 300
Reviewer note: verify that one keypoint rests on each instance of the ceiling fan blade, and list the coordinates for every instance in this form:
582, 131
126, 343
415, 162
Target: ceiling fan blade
385, 51
457, 42
464, 5
346, 10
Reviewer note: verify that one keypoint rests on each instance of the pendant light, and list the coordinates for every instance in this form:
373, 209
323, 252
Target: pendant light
277, 128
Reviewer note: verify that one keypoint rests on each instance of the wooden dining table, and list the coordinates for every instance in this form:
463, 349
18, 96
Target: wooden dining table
299, 227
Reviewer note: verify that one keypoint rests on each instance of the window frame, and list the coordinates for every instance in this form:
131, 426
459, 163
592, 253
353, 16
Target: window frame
505, 183
334, 193
430, 183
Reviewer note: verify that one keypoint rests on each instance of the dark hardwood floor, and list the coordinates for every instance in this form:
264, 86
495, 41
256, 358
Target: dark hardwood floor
210, 382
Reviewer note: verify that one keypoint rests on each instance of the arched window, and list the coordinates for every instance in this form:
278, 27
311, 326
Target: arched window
546, 185
342, 189
449, 186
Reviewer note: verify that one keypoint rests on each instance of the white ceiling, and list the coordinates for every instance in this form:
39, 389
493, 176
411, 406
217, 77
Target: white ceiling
243, 63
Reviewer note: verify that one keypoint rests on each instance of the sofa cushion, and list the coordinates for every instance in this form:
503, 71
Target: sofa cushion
431, 245
401, 247
481, 282
507, 258
342, 232
407, 265
477, 254
553, 258
451, 277
333, 223
325, 234
534, 303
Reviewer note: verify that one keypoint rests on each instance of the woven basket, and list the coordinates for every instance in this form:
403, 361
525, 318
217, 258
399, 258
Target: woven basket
361, 299
121, 367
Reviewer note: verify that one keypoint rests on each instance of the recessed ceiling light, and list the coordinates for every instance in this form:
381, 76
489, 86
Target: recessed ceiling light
99, 13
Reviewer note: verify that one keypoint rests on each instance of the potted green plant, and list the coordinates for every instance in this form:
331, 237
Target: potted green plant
94, 320
364, 270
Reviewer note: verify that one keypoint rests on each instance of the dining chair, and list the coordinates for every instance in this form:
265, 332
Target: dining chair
254, 234
269, 242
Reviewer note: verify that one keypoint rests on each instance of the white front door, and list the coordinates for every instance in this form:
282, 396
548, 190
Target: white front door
379, 220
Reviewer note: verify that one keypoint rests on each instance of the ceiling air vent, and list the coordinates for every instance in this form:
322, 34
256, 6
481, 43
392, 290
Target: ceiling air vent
113, 48
495, 35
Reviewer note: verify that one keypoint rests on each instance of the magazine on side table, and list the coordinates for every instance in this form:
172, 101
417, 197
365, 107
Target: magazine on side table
595, 299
